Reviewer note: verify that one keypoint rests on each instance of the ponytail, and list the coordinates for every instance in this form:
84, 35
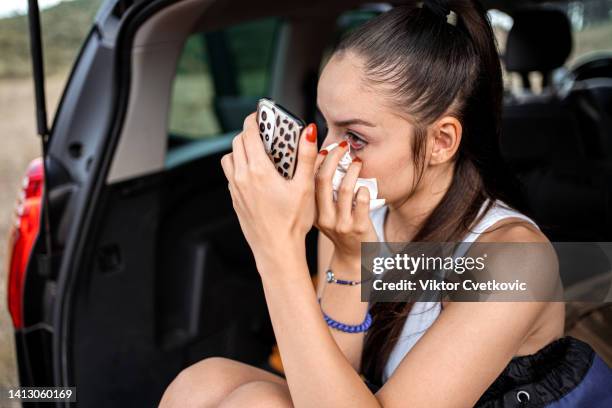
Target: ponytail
438, 64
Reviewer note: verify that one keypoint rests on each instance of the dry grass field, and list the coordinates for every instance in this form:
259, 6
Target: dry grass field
64, 27
19, 144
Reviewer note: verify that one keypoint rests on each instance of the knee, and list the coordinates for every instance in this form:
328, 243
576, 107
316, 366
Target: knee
257, 394
202, 384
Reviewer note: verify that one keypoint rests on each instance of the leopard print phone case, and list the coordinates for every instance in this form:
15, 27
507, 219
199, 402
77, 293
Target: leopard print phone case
280, 132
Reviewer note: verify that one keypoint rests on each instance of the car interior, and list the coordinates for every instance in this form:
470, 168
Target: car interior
556, 139
170, 279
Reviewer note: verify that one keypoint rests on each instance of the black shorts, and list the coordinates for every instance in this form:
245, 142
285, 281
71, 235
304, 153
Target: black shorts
566, 373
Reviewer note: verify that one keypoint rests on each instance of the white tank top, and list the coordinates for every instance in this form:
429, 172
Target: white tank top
423, 314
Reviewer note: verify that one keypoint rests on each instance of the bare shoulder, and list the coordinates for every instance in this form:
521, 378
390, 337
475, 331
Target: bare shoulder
513, 229
528, 257
517, 249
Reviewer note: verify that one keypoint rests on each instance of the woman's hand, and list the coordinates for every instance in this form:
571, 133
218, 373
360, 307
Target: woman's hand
346, 226
274, 213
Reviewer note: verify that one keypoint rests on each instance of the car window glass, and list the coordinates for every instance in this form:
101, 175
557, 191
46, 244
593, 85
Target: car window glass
591, 22
219, 77
592, 28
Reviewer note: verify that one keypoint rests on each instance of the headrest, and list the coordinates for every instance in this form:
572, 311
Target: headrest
540, 40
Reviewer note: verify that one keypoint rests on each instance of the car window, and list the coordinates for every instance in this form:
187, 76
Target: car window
219, 77
592, 27
591, 22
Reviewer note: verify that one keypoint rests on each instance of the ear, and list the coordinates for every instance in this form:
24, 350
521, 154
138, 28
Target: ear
446, 139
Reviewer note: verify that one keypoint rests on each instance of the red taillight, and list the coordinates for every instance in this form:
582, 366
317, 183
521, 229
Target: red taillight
22, 236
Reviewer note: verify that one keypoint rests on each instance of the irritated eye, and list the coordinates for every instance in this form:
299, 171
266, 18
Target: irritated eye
355, 141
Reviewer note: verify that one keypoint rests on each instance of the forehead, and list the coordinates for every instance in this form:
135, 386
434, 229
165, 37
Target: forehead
342, 91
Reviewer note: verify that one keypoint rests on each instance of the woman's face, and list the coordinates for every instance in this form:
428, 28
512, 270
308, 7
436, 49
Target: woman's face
377, 134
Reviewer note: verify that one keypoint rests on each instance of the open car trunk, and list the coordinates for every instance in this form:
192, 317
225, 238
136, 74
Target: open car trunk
165, 277
155, 273
170, 281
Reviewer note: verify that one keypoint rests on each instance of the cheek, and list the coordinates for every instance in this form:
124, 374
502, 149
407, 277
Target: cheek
394, 171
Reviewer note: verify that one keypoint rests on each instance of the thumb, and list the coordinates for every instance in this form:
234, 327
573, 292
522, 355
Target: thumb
307, 153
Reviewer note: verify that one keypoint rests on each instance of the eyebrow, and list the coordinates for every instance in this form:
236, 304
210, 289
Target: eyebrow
348, 122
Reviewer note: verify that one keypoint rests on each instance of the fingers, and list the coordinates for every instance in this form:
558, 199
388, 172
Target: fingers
361, 213
328, 167
307, 154
324, 187
326, 208
227, 163
253, 145
346, 193
239, 157
318, 161
250, 123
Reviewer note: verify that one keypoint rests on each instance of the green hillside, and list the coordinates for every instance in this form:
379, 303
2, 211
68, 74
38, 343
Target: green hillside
64, 28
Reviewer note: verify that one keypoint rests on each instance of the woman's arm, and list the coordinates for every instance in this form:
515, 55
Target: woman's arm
471, 343
317, 371
460, 355
325, 251
342, 302
452, 365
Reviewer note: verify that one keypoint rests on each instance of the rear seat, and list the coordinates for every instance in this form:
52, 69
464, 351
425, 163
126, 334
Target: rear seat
591, 99
543, 140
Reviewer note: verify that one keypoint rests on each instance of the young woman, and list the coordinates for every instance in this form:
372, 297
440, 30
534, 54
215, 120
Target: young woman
416, 93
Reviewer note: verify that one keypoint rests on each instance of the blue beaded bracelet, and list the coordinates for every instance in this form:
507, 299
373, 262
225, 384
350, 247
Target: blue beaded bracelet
331, 278
348, 328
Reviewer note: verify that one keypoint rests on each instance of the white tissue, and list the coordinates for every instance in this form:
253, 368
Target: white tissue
340, 172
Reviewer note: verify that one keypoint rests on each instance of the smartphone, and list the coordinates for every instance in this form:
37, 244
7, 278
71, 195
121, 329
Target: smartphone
280, 132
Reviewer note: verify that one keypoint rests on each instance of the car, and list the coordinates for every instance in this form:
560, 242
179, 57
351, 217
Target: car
127, 260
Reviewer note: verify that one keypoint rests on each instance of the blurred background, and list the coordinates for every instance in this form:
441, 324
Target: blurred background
20, 144
65, 25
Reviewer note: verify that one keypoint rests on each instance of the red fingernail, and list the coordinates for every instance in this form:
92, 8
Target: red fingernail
357, 159
311, 133
343, 143
323, 152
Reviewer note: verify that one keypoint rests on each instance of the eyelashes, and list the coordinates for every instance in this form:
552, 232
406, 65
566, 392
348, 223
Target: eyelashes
355, 141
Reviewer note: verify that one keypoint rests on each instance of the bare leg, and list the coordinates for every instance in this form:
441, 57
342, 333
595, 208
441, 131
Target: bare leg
259, 394
208, 382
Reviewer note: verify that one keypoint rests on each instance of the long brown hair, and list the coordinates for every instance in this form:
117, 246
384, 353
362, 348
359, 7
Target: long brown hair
431, 67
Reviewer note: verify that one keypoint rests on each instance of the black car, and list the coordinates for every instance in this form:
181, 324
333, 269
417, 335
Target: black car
129, 264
